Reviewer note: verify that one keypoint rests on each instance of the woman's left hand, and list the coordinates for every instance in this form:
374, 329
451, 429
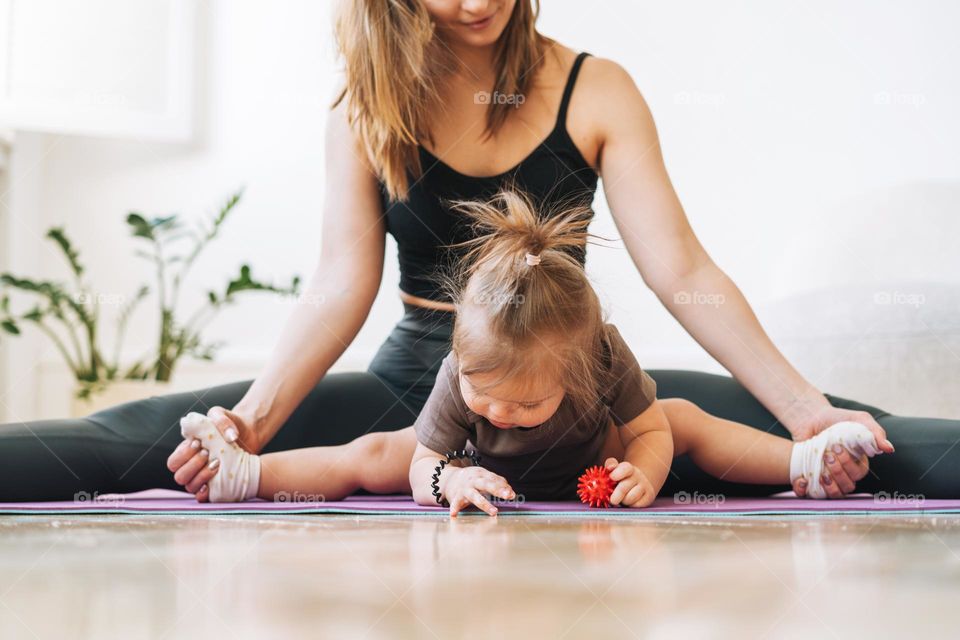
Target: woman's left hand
842, 467
831, 415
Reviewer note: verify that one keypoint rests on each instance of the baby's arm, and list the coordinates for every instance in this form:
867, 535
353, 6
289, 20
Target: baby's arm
460, 486
648, 451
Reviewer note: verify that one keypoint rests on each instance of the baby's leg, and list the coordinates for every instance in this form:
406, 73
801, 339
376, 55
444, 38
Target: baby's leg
376, 462
725, 449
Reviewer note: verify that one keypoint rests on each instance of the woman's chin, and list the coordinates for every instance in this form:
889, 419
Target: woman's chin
482, 37
486, 38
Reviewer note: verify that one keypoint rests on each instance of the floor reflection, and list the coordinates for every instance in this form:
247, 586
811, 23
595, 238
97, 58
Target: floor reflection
331, 576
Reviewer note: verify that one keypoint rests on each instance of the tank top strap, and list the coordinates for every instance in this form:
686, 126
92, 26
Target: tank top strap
568, 90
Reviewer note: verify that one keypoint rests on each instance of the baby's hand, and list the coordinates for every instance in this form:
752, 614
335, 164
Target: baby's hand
633, 488
463, 486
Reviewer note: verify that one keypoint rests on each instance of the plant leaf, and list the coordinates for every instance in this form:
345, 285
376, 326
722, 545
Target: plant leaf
10, 327
139, 226
246, 282
227, 207
165, 225
58, 235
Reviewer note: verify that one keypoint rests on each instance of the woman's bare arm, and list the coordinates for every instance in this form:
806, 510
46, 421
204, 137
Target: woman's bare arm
337, 298
671, 260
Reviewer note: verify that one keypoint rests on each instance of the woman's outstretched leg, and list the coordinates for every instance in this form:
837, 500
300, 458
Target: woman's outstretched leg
125, 448
928, 449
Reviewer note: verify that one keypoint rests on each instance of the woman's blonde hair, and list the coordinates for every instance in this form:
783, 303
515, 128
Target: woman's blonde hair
393, 63
524, 305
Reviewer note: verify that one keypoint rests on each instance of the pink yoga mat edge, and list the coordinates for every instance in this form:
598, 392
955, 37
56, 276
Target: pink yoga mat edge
160, 502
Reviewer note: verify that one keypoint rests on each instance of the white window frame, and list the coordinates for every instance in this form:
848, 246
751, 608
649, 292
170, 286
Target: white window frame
173, 121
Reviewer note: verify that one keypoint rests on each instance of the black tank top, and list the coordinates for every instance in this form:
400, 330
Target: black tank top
554, 172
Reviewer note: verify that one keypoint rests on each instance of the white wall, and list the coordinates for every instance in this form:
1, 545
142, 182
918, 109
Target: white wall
780, 123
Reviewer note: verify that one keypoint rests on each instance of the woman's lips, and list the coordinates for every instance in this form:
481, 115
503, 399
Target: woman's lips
480, 24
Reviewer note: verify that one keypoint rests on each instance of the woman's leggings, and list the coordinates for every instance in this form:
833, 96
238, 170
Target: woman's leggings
125, 448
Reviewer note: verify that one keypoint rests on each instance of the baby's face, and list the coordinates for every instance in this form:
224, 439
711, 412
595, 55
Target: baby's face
511, 403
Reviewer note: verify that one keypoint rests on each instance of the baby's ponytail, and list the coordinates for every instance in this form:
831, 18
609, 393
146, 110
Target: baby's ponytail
521, 287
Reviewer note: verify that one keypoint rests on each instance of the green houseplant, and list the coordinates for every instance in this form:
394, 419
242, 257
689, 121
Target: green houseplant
69, 313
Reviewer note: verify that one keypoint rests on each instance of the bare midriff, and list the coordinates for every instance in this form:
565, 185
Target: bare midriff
423, 302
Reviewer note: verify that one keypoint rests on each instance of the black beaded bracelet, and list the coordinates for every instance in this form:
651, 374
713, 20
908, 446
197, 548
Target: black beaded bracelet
451, 456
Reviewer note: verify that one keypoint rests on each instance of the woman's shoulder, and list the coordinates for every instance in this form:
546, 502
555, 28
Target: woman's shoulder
595, 71
604, 73
604, 95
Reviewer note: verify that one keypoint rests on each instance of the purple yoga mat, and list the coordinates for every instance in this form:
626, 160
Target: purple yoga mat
161, 501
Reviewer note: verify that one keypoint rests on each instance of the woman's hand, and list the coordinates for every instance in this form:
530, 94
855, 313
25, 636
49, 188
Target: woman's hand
235, 427
843, 470
633, 488
462, 487
192, 469
840, 476
190, 462
831, 415
841, 473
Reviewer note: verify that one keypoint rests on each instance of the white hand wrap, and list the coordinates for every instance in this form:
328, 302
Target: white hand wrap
806, 460
238, 477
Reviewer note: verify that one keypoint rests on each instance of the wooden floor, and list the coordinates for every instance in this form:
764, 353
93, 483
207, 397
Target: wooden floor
477, 577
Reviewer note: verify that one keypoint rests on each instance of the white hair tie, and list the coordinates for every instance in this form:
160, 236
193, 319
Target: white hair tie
533, 260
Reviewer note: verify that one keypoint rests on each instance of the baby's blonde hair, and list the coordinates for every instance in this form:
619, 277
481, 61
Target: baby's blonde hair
520, 317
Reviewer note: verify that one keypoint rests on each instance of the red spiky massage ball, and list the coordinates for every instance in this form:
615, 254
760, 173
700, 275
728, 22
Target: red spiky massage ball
595, 487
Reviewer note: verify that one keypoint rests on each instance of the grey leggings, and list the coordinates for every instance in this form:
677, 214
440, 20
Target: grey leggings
125, 448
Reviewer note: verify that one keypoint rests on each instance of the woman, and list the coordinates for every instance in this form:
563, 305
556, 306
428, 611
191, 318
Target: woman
453, 99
